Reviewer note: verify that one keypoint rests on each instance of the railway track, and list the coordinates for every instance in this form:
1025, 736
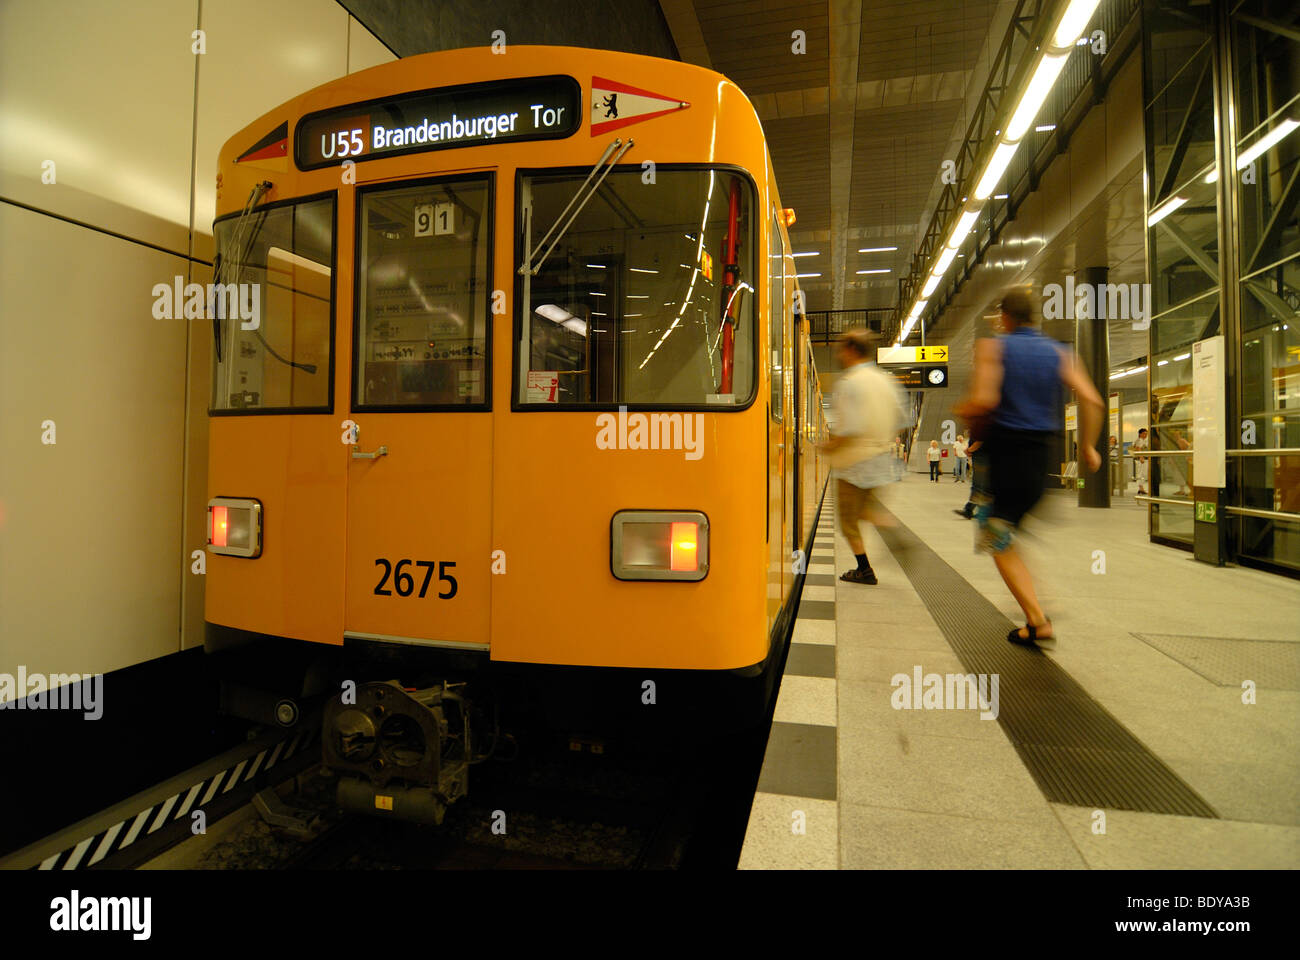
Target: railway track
547, 809
135, 830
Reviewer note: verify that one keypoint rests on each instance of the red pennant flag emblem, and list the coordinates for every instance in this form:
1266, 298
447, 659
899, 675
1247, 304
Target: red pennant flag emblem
273, 146
615, 105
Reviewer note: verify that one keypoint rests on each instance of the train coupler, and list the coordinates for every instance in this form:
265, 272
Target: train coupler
399, 752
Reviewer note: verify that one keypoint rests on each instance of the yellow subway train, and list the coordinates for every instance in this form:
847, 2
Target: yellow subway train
463, 447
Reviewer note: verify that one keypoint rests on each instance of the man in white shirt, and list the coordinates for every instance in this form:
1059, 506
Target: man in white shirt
959, 459
868, 408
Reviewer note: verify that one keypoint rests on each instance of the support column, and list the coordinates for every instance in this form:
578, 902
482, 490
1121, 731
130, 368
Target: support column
1092, 344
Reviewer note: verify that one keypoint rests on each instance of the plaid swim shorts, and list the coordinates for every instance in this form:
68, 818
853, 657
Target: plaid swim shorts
992, 534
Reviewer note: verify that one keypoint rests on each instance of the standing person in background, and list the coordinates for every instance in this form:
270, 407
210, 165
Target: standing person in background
1016, 400
900, 457
979, 492
933, 455
959, 459
868, 408
1116, 481
1140, 444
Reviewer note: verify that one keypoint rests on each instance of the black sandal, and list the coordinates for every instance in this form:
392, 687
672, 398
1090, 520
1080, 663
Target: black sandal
1033, 639
859, 576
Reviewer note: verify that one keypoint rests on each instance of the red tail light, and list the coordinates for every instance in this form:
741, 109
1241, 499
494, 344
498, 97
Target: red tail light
235, 527
220, 526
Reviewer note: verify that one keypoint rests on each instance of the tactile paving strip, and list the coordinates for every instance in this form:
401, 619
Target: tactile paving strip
1077, 753
1271, 664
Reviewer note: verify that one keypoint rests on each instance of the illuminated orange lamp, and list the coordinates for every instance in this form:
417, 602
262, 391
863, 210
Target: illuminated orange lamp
219, 525
789, 216
685, 538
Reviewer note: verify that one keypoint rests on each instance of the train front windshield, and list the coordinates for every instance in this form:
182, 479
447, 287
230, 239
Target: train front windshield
272, 348
628, 307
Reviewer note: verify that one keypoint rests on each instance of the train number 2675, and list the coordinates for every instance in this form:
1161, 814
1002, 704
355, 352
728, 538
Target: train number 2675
404, 583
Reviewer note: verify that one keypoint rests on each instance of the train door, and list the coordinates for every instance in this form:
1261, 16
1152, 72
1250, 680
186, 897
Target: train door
797, 429
780, 415
419, 491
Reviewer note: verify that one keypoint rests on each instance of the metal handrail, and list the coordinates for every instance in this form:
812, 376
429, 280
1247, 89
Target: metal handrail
1236, 511
1266, 514
1244, 452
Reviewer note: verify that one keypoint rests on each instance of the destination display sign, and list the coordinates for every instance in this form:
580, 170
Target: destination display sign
500, 111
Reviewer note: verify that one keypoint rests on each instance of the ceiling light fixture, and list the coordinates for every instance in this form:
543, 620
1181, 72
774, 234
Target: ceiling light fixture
1166, 208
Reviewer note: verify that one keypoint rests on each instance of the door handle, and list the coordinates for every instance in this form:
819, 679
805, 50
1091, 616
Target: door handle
381, 452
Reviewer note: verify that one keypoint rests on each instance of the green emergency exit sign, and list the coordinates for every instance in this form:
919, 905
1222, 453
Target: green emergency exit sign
1206, 511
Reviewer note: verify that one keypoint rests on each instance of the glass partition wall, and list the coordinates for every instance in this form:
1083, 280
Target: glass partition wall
1223, 255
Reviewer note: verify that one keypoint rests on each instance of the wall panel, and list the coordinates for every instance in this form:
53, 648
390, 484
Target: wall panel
89, 542
106, 91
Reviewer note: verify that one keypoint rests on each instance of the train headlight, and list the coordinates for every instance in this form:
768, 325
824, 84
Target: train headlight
659, 545
235, 527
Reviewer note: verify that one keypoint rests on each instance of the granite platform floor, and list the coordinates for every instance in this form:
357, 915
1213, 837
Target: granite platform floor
1175, 650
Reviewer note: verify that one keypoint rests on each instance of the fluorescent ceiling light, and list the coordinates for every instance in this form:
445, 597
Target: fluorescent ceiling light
998, 164
1045, 127
999, 196
876, 249
1031, 101
557, 314
880, 270
598, 266
917, 308
907, 329
945, 260
809, 253
641, 270
930, 286
1077, 15
1246, 158
801, 275
1162, 363
960, 231
1182, 356
298, 260
553, 312
1166, 208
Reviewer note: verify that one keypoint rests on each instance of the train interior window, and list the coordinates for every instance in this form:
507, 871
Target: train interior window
809, 396
628, 305
272, 292
424, 295
776, 301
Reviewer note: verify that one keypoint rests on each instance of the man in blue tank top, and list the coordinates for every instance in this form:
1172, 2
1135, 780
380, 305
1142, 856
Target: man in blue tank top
1015, 406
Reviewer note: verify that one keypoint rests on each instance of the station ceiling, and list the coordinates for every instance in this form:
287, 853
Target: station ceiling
858, 125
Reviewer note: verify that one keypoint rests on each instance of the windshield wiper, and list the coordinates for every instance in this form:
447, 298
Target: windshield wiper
237, 248
585, 192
